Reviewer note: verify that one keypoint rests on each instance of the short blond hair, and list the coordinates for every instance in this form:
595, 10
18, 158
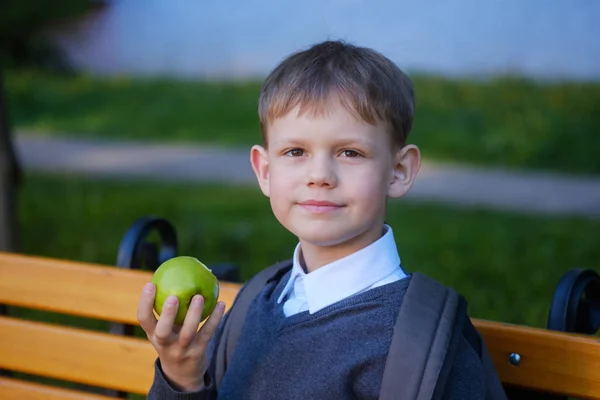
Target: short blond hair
367, 83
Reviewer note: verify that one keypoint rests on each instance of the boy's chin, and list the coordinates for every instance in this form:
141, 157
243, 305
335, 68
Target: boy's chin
324, 238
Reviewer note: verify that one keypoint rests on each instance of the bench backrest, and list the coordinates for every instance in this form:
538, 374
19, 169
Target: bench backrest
556, 362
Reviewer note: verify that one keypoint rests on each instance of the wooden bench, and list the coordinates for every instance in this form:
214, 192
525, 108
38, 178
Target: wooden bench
539, 360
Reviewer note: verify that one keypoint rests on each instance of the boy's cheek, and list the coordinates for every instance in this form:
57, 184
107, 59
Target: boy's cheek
283, 178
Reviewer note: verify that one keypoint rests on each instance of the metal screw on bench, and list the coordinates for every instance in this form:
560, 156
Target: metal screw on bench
514, 358
575, 308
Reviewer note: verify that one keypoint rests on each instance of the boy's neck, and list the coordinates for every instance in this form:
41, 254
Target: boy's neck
313, 257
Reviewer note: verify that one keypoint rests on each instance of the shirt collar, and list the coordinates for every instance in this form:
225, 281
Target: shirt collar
347, 276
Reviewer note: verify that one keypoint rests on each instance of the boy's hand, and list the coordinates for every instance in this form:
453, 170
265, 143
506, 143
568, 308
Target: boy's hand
182, 350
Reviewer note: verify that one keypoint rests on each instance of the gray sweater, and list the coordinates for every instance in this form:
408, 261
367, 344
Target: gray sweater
336, 353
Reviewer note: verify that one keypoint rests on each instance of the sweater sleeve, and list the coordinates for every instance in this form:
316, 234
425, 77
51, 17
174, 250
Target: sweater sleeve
162, 389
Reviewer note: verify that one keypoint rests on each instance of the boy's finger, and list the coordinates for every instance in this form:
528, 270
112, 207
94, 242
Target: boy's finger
192, 320
210, 326
145, 315
164, 327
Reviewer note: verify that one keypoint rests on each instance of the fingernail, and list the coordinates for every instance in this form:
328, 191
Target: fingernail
197, 300
149, 288
171, 300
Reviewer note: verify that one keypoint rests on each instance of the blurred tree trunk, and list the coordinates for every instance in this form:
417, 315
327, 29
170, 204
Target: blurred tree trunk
9, 179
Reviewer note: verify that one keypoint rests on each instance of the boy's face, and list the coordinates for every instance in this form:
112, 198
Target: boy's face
328, 177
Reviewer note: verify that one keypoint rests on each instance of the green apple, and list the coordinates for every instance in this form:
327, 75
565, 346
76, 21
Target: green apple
185, 277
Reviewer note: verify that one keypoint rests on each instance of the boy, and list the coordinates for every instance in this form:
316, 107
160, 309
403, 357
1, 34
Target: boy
335, 119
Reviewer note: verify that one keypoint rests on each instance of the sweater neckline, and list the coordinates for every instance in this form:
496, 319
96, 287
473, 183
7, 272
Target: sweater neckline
369, 295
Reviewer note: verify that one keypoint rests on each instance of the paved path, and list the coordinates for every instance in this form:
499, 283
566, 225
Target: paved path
533, 192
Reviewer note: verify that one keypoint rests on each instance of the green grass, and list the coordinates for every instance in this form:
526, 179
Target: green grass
509, 122
506, 265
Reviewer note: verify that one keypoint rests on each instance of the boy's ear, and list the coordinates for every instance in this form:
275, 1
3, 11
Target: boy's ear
260, 164
407, 162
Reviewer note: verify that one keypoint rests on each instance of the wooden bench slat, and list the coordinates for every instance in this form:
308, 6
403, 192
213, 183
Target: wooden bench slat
76, 355
76, 288
551, 361
15, 389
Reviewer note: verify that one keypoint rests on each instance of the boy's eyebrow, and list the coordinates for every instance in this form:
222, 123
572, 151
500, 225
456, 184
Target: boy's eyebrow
287, 141
361, 141
301, 141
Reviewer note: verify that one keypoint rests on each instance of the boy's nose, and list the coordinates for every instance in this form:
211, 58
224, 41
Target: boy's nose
322, 172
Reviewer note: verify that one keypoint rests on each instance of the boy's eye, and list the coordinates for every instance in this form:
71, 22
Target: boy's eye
350, 153
295, 152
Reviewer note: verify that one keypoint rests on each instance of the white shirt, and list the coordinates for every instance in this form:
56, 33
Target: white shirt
371, 266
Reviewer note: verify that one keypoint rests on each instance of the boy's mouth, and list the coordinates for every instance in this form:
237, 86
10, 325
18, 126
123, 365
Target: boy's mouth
320, 206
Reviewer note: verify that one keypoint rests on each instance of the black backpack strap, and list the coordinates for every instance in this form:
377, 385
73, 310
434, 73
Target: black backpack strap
426, 336
236, 315
461, 321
